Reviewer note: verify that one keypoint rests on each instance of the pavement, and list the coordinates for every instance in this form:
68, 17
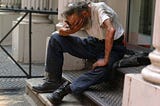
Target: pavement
12, 90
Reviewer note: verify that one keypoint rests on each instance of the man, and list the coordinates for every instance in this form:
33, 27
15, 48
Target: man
104, 44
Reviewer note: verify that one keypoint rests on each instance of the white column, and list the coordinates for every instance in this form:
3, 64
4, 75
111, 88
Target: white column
53, 5
42, 27
61, 7
152, 72
37, 5
6, 19
144, 89
10, 3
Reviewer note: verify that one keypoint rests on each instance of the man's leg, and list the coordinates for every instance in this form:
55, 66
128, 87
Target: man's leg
99, 74
92, 77
56, 47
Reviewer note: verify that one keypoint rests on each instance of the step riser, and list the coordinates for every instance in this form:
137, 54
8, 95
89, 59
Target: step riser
34, 97
40, 99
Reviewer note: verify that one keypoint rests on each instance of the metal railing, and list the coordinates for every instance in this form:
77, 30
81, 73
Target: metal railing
27, 12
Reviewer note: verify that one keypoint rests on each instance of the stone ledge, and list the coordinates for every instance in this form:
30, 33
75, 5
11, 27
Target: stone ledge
40, 99
138, 92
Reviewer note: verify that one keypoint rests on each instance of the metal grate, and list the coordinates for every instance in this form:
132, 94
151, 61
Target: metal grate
12, 83
8, 68
101, 94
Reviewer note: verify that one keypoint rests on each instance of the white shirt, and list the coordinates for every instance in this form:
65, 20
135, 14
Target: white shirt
99, 13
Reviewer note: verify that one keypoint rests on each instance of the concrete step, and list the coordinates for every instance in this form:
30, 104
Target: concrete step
40, 99
104, 94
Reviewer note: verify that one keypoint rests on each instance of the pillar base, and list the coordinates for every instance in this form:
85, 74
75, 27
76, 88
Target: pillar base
138, 92
70, 62
38, 19
150, 75
20, 42
6, 24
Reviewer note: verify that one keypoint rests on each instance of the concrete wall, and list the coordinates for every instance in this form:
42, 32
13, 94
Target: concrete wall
120, 6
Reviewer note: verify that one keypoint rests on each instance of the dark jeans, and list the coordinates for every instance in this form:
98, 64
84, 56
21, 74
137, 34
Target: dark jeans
88, 48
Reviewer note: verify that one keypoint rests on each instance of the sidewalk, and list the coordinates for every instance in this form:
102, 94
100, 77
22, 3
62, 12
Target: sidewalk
12, 90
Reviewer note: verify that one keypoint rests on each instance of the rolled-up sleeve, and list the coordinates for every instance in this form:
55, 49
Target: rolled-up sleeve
104, 14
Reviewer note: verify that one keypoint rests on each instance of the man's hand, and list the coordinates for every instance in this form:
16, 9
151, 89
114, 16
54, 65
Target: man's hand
99, 63
64, 31
72, 28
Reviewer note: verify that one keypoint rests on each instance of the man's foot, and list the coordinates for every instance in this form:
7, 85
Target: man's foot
57, 96
46, 87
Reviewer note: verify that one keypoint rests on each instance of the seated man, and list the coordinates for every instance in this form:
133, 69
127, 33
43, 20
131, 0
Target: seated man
104, 43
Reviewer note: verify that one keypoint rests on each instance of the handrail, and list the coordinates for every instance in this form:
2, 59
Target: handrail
28, 12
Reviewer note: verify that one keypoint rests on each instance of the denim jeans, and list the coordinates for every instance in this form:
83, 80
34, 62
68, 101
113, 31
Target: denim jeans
87, 48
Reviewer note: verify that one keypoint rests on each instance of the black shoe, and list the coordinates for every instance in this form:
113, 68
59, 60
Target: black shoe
57, 96
46, 87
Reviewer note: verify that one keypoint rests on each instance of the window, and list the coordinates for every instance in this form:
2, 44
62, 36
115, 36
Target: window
141, 17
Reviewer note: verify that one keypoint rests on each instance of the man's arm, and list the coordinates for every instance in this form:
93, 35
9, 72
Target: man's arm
70, 29
109, 38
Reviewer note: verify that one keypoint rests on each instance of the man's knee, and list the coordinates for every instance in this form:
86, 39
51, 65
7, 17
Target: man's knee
54, 36
76, 89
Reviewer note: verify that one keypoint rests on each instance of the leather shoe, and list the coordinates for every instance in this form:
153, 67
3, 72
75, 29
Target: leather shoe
46, 87
57, 96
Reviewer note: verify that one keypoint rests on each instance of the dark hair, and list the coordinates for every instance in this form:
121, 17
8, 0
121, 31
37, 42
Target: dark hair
76, 7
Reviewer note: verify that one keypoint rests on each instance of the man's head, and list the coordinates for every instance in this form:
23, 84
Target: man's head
75, 12
76, 7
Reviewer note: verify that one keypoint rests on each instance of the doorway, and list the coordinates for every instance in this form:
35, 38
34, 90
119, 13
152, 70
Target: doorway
140, 24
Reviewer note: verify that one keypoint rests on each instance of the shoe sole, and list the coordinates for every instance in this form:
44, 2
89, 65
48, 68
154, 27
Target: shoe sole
46, 91
54, 102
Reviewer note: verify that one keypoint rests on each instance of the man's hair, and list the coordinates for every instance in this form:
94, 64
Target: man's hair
76, 7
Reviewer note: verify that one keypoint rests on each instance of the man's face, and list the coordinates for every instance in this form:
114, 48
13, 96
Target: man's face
72, 20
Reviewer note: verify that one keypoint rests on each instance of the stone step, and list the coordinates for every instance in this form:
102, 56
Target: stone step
105, 94
40, 99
